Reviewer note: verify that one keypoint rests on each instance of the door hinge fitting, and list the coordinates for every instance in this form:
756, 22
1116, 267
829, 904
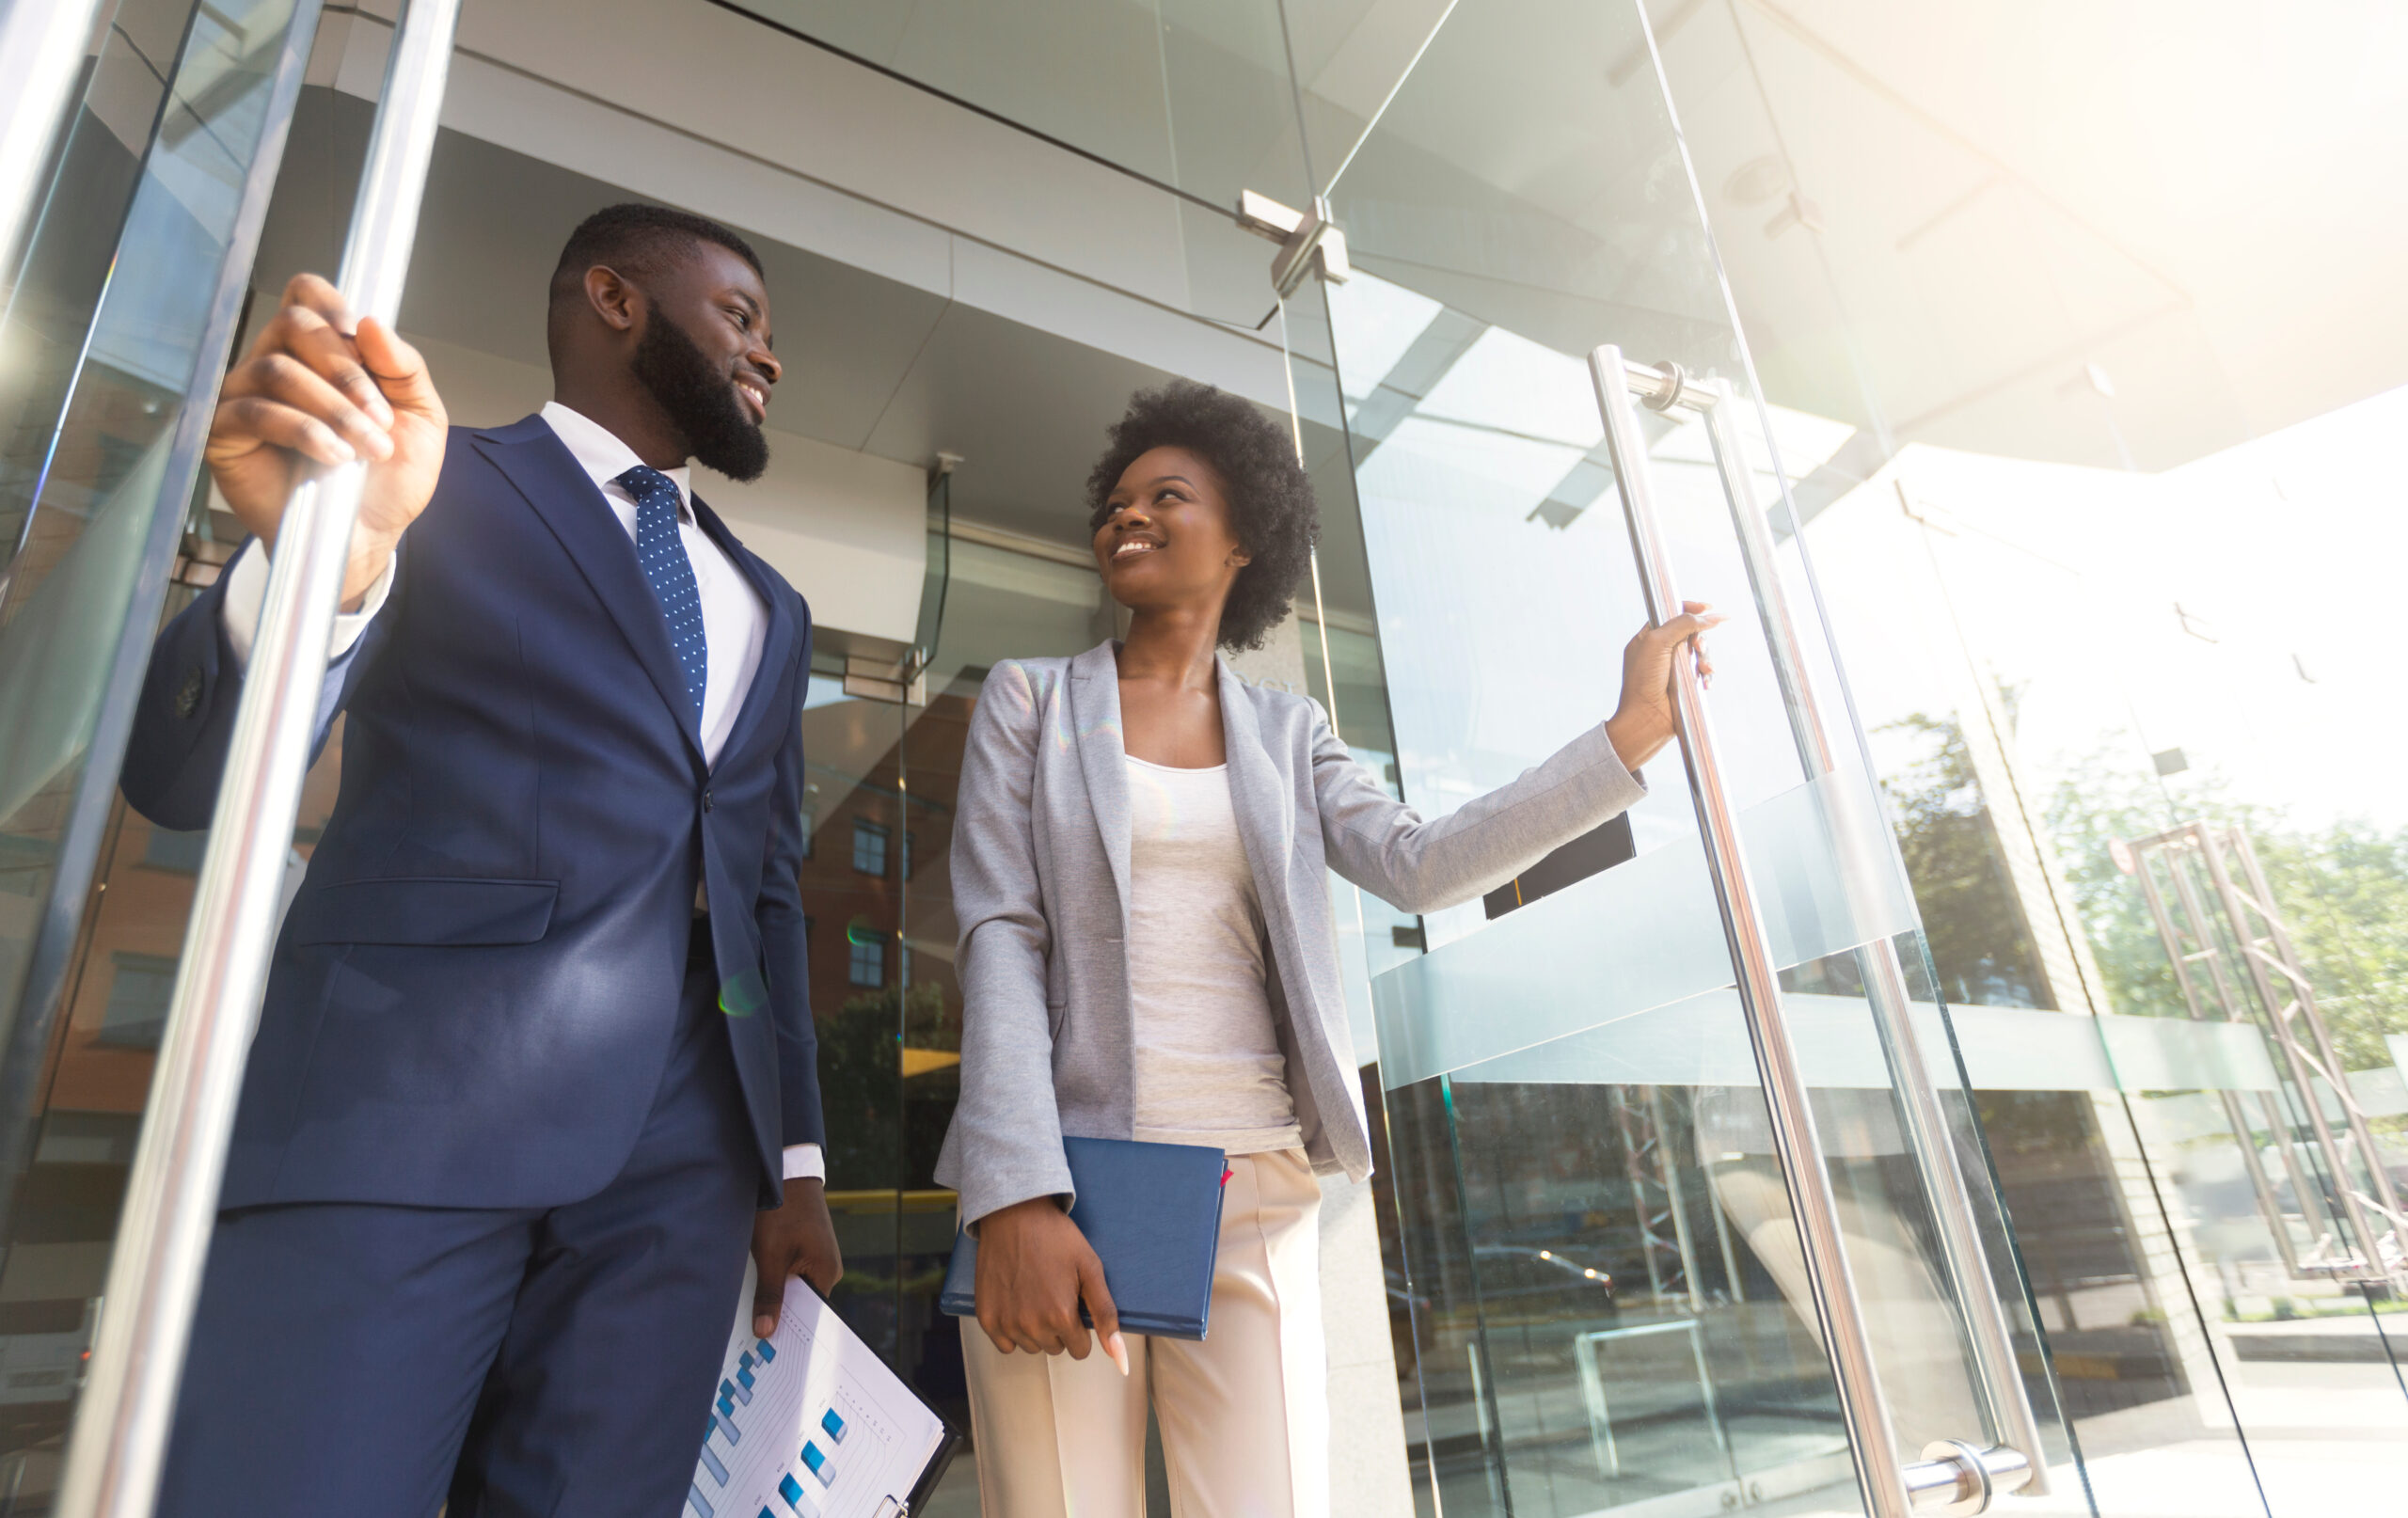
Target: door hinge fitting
1309, 241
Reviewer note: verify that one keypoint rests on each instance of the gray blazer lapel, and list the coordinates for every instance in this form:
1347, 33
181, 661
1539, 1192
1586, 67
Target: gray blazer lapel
1103, 756
1265, 806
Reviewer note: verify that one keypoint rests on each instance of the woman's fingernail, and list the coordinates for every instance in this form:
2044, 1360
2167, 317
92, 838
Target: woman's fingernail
1115, 1347
764, 1326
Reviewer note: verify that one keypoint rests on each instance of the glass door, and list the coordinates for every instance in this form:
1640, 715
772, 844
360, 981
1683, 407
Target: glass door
1694, 1199
118, 310
2237, 1351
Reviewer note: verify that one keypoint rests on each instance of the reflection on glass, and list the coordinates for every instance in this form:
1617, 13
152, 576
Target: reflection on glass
1571, 1081
2018, 761
103, 333
1192, 94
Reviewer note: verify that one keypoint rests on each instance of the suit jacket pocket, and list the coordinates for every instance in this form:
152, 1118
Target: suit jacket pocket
430, 910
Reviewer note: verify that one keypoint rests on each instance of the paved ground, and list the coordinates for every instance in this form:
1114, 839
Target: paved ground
2325, 1439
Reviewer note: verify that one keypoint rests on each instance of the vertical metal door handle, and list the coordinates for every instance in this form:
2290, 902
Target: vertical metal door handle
1872, 1441
1998, 1379
1953, 1476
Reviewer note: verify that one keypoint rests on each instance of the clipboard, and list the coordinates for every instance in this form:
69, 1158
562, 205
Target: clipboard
811, 1423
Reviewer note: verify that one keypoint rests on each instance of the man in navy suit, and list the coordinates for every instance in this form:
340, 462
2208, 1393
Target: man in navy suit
535, 1061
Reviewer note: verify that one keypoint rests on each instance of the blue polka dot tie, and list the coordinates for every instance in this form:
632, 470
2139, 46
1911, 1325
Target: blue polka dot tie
662, 553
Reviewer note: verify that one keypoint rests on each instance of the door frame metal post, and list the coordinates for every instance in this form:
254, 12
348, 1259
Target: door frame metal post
1998, 1379
2281, 1125
2305, 1064
2284, 960
116, 1455
2236, 1117
2245, 924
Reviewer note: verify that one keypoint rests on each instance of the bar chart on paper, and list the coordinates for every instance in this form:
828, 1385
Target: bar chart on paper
809, 1423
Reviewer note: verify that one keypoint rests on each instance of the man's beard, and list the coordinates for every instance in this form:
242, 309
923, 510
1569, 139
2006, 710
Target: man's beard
701, 400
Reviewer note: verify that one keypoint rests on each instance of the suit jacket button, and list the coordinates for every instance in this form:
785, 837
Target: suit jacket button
188, 693
706, 800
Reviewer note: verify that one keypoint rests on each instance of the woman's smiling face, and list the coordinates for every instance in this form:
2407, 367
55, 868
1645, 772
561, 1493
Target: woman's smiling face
1163, 538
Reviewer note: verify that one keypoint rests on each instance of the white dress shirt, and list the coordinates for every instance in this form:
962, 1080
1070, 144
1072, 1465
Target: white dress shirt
735, 621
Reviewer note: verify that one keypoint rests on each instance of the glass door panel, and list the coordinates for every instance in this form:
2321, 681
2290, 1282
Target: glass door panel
116, 324
1621, 1299
2176, 1207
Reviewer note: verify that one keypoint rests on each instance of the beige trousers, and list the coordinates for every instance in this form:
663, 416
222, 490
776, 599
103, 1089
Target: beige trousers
1244, 1416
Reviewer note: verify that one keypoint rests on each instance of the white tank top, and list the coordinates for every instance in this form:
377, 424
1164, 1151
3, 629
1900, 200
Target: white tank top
1208, 1067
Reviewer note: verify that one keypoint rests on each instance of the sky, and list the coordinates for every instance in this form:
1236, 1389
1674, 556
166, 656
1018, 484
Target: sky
2245, 609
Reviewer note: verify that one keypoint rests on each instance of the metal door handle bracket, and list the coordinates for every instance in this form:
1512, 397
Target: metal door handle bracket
1955, 1481
1309, 240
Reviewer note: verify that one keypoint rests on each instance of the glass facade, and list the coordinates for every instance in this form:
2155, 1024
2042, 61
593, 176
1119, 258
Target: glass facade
2029, 793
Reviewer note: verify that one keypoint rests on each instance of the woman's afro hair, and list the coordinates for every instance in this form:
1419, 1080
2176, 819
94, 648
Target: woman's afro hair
1271, 502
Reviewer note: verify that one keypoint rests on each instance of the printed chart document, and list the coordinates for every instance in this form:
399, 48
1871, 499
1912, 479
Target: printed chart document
810, 1423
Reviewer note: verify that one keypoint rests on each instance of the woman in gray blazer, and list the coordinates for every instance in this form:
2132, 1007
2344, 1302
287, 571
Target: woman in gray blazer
1147, 950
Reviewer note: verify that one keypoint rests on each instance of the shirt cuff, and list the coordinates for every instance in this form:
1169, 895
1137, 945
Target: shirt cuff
246, 598
804, 1161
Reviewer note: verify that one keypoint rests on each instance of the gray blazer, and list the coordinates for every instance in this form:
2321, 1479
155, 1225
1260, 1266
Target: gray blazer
1040, 885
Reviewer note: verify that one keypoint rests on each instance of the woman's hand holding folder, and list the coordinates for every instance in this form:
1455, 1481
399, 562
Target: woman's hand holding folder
1034, 1267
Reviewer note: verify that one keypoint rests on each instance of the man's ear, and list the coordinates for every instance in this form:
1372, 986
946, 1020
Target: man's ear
614, 299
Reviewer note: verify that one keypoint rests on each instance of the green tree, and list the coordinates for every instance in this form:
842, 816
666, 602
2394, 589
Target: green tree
860, 1082
1972, 921
2342, 891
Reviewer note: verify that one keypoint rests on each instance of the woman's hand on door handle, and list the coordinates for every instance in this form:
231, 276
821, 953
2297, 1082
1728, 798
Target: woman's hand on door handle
1642, 722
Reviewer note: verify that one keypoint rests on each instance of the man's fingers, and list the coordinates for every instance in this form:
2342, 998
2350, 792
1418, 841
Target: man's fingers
400, 373
334, 354
769, 1297
322, 341
283, 378
317, 293
278, 426
824, 1272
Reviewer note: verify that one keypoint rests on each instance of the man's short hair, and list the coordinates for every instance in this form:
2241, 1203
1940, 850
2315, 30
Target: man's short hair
638, 240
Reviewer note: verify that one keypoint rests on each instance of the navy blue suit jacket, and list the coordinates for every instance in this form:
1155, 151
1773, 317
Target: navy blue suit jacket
474, 993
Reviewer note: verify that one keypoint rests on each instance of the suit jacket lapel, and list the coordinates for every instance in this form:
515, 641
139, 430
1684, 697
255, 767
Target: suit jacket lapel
534, 459
1264, 805
777, 643
1103, 756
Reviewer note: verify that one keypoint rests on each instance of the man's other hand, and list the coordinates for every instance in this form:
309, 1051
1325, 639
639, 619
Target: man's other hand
798, 1238
318, 390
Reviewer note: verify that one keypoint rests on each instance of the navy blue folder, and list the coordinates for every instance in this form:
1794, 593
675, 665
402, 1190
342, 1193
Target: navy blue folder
1152, 1213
